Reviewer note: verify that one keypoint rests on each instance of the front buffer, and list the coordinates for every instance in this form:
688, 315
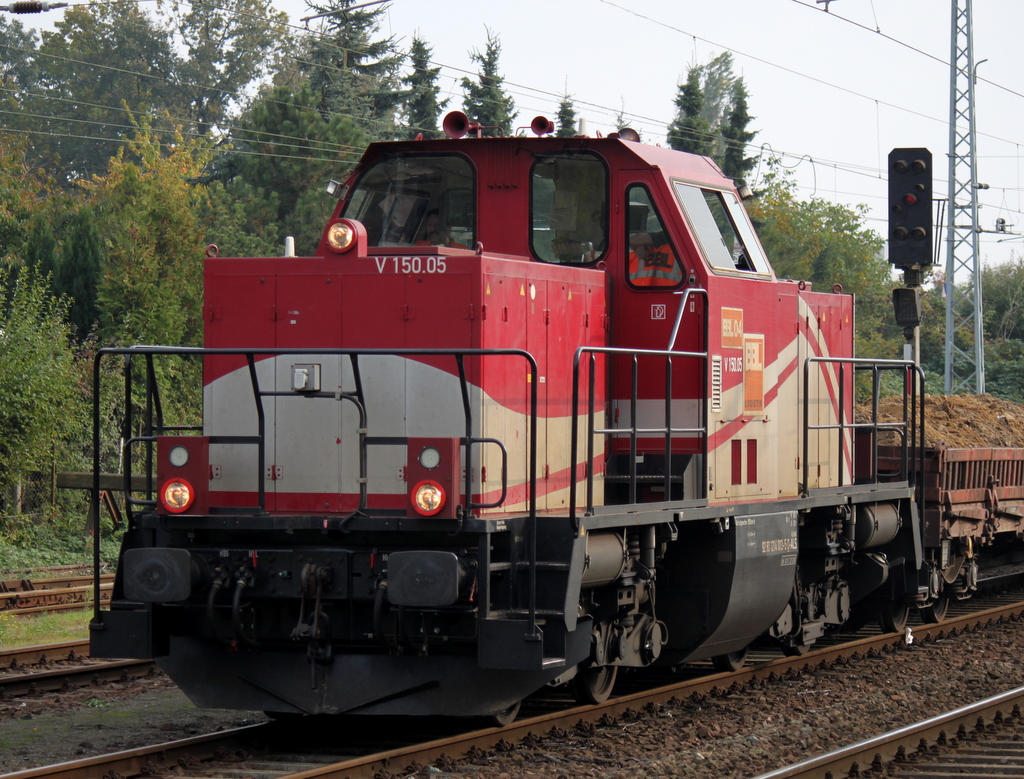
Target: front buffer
412, 621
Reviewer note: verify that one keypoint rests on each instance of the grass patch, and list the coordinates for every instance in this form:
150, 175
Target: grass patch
45, 628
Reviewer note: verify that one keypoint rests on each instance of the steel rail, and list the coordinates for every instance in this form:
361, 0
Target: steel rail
30, 669
133, 762
895, 748
14, 657
35, 601
63, 678
58, 583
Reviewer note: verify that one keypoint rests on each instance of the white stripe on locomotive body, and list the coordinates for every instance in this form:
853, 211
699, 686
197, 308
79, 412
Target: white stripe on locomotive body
311, 443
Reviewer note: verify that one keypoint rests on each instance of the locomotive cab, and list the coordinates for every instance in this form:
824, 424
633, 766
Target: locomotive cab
536, 409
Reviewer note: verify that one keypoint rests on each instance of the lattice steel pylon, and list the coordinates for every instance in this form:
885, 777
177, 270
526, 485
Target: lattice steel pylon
965, 344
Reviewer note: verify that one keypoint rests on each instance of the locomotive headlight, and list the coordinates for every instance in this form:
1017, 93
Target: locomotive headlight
430, 458
177, 495
341, 236
428, 497
178, 456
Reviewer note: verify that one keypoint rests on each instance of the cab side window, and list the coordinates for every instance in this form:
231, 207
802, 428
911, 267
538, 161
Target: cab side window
568, 208
653, 262
723, 233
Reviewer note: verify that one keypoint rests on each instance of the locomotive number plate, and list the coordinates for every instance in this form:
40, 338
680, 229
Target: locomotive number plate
429, 264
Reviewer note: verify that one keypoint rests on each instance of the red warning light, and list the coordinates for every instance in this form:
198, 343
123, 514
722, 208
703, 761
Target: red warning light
910, 199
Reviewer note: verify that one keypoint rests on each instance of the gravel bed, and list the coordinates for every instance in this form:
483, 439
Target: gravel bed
740, 733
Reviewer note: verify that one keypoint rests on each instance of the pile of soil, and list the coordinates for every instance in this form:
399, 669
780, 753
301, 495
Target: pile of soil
960, 421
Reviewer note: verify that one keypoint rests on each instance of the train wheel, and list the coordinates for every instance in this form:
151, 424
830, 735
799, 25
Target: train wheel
506, 717
594, 684
936, 610
730, 661
796, 651
893, 617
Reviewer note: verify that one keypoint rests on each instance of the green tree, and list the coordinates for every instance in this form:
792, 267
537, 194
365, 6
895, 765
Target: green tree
566, 118
18, 76
486, 100
24, 192
422, 106
150, 289
1004, 299
38, 400
1004, 328
712, 116
734, 162
40, 250
1004, 369
18, 45
717, 84
99, 66
690, 131
352, 74
239, 221
78, 276
286, 152
229, 45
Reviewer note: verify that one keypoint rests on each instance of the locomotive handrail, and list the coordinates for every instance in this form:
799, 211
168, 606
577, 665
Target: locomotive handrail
128, 499
910, 430
633, 431
153, 405
470, 503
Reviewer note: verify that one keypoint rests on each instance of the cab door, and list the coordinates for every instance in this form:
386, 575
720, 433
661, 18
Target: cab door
652, 272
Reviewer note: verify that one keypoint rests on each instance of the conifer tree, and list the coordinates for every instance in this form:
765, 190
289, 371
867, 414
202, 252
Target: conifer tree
735, 164
486, 100
690, 131
78, 276
41, 247
289, 152
422, 106
352, 74
717, 82
566, 118
712, 117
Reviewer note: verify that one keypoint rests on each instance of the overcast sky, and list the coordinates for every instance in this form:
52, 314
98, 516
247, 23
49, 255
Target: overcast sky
833, 92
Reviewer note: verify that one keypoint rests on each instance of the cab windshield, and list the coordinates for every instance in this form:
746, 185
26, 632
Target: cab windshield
416, 200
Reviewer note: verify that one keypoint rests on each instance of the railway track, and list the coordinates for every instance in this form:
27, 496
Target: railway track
983, 739
33, 596
62, 667
359, 748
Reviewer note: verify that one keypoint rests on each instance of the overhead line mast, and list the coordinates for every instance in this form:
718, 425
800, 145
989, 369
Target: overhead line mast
965, 361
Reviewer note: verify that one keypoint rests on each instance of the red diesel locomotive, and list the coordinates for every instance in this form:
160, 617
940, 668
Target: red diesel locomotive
536, 409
